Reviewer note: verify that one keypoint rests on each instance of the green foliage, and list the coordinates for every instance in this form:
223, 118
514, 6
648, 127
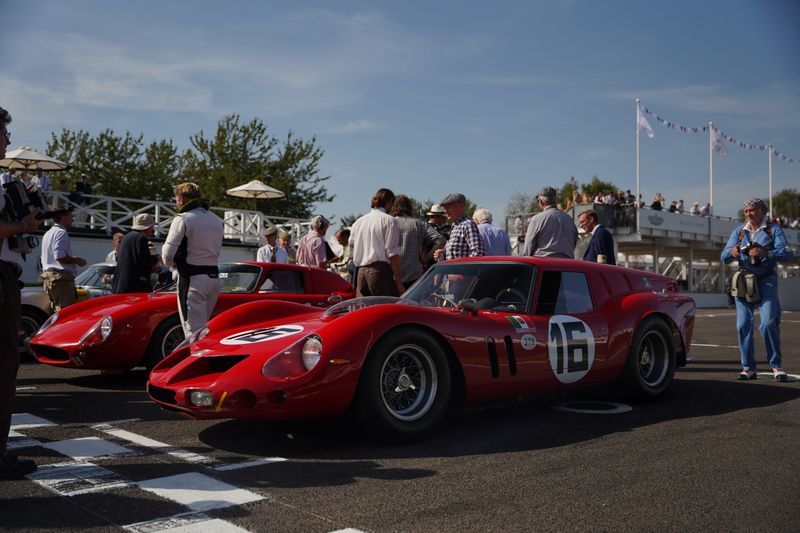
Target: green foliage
241, 152
524, 203
597, 186
123, 166
786, 203
119, 166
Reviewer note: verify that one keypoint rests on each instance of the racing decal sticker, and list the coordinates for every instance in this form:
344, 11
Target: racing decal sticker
261, 335
570, 343
518, 322
528, 342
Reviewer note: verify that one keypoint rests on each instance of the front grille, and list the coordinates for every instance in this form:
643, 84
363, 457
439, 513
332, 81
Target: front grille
50, 352
161, 395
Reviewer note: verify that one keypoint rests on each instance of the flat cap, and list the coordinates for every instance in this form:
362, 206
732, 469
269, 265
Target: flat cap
453, 198
547, 192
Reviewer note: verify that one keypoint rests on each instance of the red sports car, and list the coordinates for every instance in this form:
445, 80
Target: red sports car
468, 331
127, 330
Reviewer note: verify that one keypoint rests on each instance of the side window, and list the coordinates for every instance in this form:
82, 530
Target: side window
283, 281
563, 292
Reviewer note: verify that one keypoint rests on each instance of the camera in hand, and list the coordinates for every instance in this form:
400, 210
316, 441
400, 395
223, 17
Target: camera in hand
19, 204
752, 260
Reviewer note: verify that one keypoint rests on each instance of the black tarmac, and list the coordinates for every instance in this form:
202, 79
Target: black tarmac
714, 454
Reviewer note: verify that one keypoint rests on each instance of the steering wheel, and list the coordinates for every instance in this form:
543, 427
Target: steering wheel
447, 301
509, 296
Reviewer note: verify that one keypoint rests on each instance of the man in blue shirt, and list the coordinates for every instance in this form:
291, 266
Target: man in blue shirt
757, 246
495, 240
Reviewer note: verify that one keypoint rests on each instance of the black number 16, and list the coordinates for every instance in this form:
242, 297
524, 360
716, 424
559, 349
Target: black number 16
563, 336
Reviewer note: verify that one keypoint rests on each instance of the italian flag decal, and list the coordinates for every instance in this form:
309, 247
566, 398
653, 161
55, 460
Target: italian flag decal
518, 322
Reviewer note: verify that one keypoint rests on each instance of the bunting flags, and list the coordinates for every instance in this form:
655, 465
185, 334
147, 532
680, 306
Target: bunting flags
642, 124
720, 136
717, 143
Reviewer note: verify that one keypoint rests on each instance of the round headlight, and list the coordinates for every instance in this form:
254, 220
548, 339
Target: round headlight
311, 352
105, 327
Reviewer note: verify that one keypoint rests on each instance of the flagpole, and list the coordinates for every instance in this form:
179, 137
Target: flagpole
771, 215
710, 168
636, 201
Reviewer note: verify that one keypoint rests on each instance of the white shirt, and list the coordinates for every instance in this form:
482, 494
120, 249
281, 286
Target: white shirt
56, 245
203, 231
265, 254
374, 237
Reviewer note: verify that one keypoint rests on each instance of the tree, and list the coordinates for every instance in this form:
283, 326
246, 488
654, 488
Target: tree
239, 152
521, 204
786, 203
119, 166
597, 186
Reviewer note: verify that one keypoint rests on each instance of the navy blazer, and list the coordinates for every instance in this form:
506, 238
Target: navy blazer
601, 243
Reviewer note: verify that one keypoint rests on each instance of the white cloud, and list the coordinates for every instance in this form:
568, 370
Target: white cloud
354, 126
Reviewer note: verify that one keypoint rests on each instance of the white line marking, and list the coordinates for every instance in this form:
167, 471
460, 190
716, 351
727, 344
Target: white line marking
198, 491
616, 408
184, 523
27, 420
189, 457
70, 479
347, 530
17, 441
712, 345
88, 448
114, 422
25, 388
248, 464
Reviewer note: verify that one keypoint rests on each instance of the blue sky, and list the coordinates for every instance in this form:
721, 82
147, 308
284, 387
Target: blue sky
427, 98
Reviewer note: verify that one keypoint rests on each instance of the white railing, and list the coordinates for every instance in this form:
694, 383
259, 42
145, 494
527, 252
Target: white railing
108, 214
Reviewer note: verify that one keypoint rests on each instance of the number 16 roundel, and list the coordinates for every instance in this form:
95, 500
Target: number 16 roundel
570, 343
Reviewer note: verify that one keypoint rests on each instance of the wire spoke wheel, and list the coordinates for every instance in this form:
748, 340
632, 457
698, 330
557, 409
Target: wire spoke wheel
408, 382
172, 338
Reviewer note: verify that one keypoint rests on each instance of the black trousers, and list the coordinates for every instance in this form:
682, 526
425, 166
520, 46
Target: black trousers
9, 352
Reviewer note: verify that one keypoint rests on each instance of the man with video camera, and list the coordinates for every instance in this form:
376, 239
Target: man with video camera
757, 246
10, 270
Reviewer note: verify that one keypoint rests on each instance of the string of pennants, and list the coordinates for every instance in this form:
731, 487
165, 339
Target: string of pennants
741, 144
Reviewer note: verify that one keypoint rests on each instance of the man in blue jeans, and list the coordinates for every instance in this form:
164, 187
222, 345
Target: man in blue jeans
758, 245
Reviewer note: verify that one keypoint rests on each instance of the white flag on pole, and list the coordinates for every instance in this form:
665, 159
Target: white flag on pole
717, 143
643, 124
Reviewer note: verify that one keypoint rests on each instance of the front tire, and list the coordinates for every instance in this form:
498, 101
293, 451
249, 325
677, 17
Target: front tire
166, 337
404, 389
30, 320
651, 361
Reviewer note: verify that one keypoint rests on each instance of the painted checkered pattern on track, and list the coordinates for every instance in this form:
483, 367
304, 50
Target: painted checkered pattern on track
94, 463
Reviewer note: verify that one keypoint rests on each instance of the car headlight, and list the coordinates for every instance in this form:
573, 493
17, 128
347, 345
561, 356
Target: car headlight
97, 333
47, 323
311, 352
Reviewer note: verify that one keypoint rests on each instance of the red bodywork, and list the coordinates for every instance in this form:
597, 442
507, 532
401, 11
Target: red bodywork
250, 361
136, 317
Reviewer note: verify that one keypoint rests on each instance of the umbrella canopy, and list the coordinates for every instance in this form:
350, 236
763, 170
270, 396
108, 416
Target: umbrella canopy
255, 189
26, 158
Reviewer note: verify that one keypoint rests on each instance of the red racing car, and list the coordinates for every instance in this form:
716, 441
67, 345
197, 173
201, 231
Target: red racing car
127, 330
469, 331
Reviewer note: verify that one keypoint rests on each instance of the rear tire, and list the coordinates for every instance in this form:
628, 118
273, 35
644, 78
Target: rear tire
651, 361
165, 338
404, 389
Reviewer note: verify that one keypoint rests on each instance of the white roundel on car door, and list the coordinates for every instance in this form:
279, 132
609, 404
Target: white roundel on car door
570, 343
